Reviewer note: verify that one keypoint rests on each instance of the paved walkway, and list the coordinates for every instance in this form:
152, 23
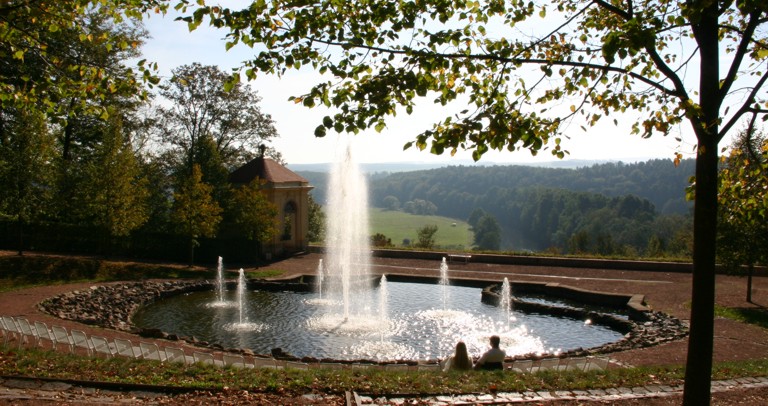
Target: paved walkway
19, 389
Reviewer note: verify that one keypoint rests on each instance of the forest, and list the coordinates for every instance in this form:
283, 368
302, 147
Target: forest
635, 209
95, 160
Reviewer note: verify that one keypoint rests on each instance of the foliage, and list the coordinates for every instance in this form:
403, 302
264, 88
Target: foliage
26, 148
18, 272
254, 215
201, 108
43, 40
195, 213
420, 207
425, 236
475, 216
391, 203
380, 240
743, 202
116, 193
458, 190
487, 233
743, 205
316, 232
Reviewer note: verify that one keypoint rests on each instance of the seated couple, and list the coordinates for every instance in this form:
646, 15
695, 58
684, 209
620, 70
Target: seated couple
490, 360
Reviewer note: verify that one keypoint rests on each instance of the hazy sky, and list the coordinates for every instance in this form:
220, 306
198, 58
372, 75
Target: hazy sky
172, 45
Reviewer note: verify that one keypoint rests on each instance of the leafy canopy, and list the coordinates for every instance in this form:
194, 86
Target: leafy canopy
589, 59
46, 35
743, 202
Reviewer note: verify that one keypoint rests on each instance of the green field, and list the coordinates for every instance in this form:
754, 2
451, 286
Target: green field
451, 234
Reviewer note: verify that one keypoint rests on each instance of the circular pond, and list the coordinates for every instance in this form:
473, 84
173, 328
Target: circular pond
395, 320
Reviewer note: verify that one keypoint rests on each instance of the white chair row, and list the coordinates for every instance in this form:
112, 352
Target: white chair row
590, 363
24, 332
21, 330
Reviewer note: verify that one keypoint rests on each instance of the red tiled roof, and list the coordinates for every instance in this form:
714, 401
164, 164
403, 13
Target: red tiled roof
266, 169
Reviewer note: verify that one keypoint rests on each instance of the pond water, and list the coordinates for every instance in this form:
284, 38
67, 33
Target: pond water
409, 322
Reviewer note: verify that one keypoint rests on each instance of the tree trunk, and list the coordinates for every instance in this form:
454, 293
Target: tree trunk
699, 361
192, 243
20, 235
698, 368
750, 272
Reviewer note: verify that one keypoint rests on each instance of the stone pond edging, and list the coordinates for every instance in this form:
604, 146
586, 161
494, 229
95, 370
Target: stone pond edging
113, 305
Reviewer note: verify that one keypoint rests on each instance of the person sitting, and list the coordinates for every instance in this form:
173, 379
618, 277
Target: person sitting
493, 358
460, 360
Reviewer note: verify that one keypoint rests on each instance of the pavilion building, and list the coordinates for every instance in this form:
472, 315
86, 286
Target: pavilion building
289, 192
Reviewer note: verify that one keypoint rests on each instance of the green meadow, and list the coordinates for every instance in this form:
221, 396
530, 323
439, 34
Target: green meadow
397, 225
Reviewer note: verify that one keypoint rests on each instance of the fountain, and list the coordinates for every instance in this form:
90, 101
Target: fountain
506, 301
444, 282
348, 255
241, 295
383, 298
339, 319
220, 279
220, 286
243, 324
319, 280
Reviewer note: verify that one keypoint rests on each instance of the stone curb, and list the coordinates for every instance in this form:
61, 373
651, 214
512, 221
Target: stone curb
610, 394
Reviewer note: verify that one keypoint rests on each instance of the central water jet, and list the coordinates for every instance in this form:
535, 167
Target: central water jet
348, 255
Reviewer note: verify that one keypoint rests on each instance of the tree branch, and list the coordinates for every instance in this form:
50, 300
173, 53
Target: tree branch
627, 15
745, 107
738, 58
517, 61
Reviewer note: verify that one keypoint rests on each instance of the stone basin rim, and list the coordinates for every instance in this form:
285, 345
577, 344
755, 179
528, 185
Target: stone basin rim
112, 306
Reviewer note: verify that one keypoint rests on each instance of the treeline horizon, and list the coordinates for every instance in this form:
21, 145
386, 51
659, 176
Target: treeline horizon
628, 209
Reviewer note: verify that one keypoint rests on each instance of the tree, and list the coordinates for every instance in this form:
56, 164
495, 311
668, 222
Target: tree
487, 234
26, 152
68, 62
420, 207
598, 56
425, 236
254, 215
743, 205
116, 193
46, 34
475, 216
380, 240
316, 232
391, 203
206, 105
194, 212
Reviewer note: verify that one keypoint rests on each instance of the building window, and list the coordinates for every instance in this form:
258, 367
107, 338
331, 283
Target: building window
289, 215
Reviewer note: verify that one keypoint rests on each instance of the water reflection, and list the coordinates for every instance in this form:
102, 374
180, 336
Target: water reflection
417, 326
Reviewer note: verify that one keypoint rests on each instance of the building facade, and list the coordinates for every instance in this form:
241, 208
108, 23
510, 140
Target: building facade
289, 192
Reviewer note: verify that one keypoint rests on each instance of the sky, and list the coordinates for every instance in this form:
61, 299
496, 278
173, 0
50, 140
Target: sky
172, 45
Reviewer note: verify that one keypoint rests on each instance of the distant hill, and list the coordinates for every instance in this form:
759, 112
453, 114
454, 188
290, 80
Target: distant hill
658, 181
539, 207
394, 167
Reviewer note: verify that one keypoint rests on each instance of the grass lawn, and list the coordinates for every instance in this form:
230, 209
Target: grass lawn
397, 225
